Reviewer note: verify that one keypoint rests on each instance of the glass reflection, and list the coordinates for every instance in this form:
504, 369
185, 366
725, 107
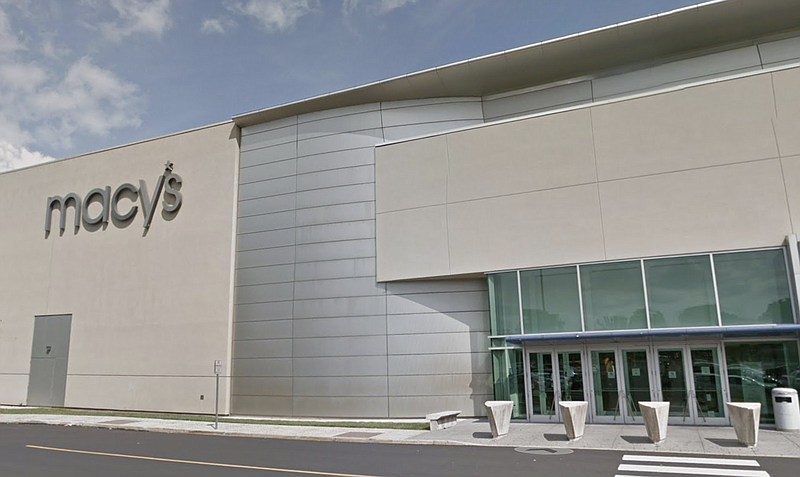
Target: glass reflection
754, 369
606, 391
707, 383
637, 380
673, 382
613, 296
753, 288
571, 376
504, 304
509, 379
550, 301
680, 292
542, 391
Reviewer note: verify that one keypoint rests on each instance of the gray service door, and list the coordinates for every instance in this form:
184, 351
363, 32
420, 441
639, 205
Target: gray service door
47, 383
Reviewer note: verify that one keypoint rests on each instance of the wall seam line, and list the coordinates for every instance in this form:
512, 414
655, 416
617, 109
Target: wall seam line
597, 183
582, 184
294, 268
385, 286
446, 204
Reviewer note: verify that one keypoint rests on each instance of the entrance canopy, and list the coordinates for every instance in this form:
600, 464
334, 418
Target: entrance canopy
749, 330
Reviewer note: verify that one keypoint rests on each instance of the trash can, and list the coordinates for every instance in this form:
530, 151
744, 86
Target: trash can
787, 409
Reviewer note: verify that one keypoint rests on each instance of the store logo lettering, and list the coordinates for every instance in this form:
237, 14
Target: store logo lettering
169, 182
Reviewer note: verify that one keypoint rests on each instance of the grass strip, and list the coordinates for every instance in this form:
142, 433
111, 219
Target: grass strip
206, 418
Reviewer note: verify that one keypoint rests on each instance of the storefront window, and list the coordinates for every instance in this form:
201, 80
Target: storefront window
613, 296
509, 379
550, 301
754, 369
680, 292
753, 288
504, 304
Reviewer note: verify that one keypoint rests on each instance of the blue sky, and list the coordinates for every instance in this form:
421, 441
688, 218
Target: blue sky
82, 75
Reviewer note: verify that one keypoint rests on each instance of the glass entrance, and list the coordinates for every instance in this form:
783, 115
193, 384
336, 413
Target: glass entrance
637, 382
707, 386
606, 387
690, 378
554, 375
570, 367
615, 379
674, 389
620, 379
543, 394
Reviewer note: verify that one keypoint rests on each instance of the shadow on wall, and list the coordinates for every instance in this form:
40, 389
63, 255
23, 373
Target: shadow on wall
451, 319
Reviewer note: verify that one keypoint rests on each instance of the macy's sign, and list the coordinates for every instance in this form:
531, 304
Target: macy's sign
169, 182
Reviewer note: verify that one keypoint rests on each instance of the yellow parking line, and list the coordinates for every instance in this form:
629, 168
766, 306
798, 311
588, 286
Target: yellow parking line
195, 462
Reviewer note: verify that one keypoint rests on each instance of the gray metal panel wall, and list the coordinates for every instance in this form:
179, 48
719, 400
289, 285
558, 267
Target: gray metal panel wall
314, 333
265, 258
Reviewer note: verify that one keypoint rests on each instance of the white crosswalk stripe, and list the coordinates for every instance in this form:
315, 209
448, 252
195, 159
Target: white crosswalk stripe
654, 464
690, 460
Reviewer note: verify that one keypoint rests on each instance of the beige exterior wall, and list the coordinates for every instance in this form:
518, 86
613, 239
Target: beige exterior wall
708, 167
150, 311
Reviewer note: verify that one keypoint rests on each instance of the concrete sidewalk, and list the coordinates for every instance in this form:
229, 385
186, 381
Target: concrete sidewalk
471, 432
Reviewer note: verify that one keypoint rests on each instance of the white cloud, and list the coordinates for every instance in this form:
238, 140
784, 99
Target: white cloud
9, 42
36, 107
217, 25
48, 101
50, 50
89, 99
275, 15
21, 77
213, 25
149, 17
14, 157
376, 7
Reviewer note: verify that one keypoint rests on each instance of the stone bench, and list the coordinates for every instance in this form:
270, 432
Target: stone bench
499, 414
745, 417
574, 414
655, 415
442, 420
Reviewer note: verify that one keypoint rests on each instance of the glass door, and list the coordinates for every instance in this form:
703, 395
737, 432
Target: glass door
690, 378
554, 375
637, 382
673, 384
605, 386
570, 374
620, 379
707, 389
542, 393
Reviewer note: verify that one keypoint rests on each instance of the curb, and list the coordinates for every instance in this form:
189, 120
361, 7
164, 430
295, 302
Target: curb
371, 440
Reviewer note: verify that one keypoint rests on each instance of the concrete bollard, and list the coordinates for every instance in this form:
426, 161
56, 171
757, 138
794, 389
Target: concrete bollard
656, 416
499, 413
574, 414
745, 417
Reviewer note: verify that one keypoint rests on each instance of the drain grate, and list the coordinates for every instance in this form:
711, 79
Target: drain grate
363, 435
120, 421
543, 451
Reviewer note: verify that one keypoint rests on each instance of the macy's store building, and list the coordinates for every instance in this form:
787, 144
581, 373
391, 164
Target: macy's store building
606, 217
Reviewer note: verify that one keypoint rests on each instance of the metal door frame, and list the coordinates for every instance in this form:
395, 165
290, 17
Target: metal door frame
693, 417
555, 379
623, 416
723, 382
55, 377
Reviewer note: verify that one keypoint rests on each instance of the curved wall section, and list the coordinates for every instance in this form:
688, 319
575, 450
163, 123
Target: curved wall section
315, 334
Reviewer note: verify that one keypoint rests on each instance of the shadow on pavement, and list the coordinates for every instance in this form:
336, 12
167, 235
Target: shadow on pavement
556, 437
725, 442
636, 439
